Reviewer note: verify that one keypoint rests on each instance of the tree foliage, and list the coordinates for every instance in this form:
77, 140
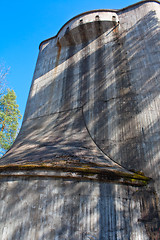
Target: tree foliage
9, 114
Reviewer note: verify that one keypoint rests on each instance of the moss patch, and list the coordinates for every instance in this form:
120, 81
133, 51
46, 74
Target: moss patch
89, 170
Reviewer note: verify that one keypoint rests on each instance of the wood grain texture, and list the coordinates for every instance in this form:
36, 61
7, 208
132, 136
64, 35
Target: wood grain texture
94, 99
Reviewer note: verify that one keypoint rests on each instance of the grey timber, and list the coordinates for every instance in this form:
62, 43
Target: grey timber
86, 162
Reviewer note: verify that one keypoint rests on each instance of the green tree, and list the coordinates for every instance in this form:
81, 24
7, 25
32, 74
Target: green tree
9, 120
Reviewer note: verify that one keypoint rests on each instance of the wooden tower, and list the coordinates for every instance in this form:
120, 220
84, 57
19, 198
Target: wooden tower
86, 163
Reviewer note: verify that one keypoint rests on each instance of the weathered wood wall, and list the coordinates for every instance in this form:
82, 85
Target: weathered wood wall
94, 99
75, 210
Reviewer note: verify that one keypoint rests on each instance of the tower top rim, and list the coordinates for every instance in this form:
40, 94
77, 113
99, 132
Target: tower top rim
99, 10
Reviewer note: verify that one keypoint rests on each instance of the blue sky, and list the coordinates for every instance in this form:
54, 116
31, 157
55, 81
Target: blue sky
24, 24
